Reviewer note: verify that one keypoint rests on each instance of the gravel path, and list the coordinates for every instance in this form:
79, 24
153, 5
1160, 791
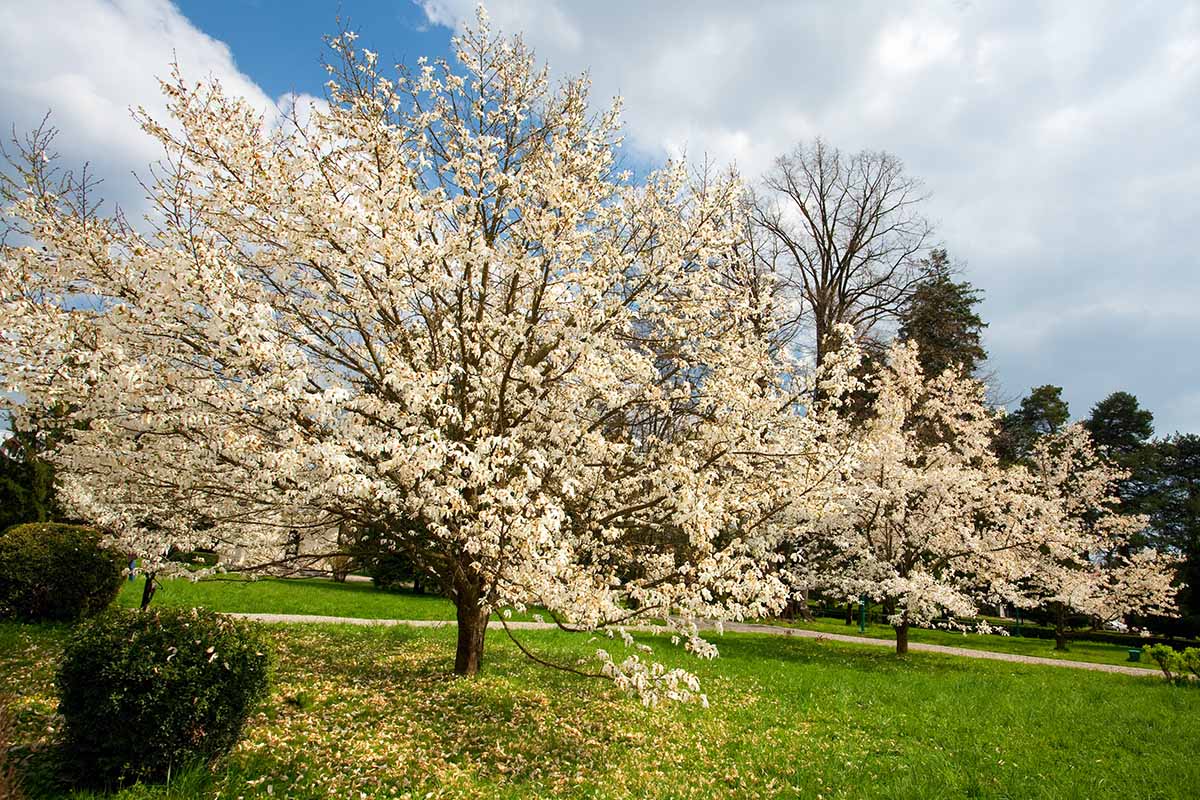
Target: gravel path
733, 627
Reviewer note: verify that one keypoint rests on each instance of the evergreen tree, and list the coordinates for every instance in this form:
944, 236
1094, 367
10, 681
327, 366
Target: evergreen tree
940, 317
1042, 412
26, 480
1175, 516
1121, 429
1120, 425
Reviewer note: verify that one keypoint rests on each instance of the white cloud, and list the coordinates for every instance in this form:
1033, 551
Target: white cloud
89, 61
913, 45
1060, 142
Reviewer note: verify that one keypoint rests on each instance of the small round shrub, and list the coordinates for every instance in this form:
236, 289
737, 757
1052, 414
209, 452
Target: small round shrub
145, 693
51, 571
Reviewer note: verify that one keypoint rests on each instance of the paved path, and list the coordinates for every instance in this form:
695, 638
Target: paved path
734, 627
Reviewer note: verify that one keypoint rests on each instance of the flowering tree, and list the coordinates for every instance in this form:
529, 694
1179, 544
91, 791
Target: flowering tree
922, 517
431, 306
1087, 561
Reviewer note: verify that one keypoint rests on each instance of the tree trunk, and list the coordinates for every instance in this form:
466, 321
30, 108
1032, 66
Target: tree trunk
1060, 630
902, 636
1060, 639
805, 612
148, 590
849, 613
472, 627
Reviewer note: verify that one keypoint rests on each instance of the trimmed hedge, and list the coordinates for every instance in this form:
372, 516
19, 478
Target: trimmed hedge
1088, 635
1174, 627
145, 693
52, 571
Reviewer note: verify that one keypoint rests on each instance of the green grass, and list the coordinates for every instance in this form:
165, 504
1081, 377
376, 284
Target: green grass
323, 597
355, 599
374, 712
1080, 649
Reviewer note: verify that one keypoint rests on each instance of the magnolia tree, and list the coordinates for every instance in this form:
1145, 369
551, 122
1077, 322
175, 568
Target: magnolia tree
922, 518
431, 306
1087, 561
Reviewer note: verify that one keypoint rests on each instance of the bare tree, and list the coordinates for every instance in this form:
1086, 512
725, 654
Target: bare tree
761, 268
850, 227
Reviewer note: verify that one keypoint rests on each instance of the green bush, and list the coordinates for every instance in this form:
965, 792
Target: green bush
1176, 664
51, 571
146, 693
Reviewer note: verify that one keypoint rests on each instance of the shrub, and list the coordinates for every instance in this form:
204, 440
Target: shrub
380, 552
1176, 664
51, 571
146, 693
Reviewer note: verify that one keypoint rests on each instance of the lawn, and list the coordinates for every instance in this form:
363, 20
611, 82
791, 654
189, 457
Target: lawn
1081, 649
319, 596
327, 598
373, 712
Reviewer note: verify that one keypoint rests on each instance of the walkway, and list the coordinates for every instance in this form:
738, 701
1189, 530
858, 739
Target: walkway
732, 627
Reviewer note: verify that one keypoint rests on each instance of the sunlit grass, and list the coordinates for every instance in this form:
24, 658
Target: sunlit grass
318, 596
1080, 649
375, 712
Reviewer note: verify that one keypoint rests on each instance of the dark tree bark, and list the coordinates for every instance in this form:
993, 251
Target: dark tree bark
148, 590
806, 613
472, 628
902, 638
798, 608
1060, 628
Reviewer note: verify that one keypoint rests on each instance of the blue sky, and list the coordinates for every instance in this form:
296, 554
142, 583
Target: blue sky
1059, 141
280, 44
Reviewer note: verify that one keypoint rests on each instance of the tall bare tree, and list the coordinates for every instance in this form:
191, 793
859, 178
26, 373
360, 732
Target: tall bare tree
851, 230
760, 267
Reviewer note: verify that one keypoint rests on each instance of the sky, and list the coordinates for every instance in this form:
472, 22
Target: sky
1059, 142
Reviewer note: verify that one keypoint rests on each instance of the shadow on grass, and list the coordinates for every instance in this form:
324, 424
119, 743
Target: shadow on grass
392, 697
49, 774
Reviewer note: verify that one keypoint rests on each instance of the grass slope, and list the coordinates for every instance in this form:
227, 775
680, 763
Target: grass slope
374, 713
